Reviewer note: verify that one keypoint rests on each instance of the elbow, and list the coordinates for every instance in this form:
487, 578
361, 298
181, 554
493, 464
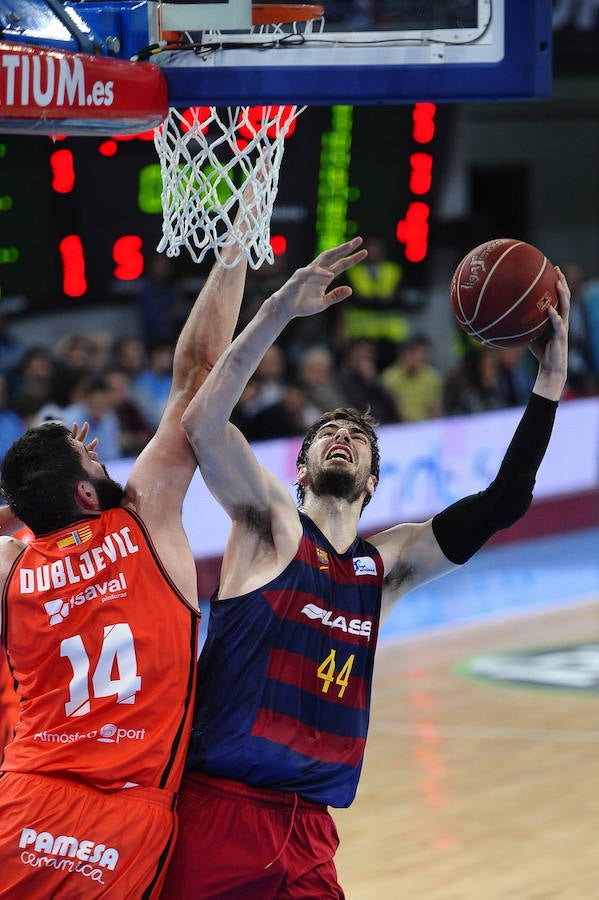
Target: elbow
192, 419
511, 508
201, 425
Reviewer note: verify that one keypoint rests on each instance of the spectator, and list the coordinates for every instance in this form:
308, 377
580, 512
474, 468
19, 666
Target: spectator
78, 356
473, 386
270, 376
11, 348
161, 302
11, 425
316, 372
96, 405
414, 383
150, 389
582, 380
291, 415
359, 380
35, 383
376, 309
515, 376
129, 353
135, 430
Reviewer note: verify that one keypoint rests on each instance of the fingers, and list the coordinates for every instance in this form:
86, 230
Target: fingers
338, 294
328, 259
80, 432
563, 290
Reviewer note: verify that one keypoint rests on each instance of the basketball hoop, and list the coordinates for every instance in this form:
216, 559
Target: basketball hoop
209, 158
220, 166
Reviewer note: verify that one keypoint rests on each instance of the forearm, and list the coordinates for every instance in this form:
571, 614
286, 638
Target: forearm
210, 326
211, 408
465, 526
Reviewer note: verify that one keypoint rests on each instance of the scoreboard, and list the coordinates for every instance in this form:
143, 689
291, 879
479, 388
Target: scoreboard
79, 214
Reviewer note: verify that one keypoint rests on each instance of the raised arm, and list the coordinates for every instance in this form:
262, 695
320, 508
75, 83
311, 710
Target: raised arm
227, 463
265, 521
414, 554
163, 471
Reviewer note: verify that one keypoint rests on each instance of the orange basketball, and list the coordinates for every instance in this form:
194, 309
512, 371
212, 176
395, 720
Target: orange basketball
500, 293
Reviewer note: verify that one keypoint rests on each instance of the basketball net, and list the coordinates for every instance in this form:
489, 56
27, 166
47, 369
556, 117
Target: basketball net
220, 177
220, 167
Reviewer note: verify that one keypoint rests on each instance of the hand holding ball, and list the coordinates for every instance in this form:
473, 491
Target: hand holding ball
500, 293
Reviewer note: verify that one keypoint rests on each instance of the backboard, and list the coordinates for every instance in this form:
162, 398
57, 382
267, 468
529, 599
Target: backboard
374, 51
368, 51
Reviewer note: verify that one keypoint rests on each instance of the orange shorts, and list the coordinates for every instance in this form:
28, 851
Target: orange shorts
62, 839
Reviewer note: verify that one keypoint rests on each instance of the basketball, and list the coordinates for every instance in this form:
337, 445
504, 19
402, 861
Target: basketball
500, 292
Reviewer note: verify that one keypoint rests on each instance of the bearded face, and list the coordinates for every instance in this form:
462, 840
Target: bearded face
336, 480
110, 493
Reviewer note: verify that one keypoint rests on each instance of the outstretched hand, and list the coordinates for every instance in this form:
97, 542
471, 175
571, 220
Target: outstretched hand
306, 291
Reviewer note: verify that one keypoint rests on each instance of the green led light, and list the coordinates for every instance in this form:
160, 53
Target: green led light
150, 189
6, 203
333, 180
8, 255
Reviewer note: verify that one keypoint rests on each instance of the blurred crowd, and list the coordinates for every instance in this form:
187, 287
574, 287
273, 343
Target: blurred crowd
363, 354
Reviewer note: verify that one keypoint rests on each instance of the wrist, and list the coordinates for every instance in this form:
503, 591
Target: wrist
277, 310
549, 385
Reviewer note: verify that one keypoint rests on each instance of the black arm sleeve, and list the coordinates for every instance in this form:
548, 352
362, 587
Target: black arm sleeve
465, 526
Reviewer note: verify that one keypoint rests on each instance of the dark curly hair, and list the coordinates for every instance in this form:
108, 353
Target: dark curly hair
38, 472
365, 421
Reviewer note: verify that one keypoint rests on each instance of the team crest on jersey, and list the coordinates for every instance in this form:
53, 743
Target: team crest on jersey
323, 559
364, 565
80, 536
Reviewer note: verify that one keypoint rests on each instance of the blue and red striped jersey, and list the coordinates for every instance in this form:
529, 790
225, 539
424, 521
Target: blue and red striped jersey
285, 676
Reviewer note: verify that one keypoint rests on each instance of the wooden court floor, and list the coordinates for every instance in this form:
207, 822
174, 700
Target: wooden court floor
474, 790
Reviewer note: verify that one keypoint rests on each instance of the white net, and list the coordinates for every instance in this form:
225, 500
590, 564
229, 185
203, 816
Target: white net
220, 176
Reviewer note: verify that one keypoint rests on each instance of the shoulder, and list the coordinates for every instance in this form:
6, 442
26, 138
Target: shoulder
10, 548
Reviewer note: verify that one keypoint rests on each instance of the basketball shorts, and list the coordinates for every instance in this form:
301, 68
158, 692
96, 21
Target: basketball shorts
237, 841
62, 839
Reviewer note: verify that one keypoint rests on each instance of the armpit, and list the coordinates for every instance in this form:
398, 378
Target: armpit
399, 575
256, 520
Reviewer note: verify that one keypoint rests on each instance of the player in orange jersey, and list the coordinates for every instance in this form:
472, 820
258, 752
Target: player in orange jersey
99, 620
10, 524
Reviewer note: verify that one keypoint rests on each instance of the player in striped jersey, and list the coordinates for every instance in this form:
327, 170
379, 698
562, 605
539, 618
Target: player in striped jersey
285, 674
99, 620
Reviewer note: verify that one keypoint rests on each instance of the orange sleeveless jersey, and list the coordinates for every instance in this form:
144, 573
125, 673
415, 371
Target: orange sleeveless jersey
103, 648
8, 703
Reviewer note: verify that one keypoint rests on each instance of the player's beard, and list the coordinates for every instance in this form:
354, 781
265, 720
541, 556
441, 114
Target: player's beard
338, 482
110, 493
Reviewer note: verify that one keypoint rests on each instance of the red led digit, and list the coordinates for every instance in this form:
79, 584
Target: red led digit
278, 242
126, 252
421, 175
413, 231
63, 173
201, 115
73, 266
423, 117
250, 123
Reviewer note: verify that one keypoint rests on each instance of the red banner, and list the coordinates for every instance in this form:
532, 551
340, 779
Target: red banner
50, 91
